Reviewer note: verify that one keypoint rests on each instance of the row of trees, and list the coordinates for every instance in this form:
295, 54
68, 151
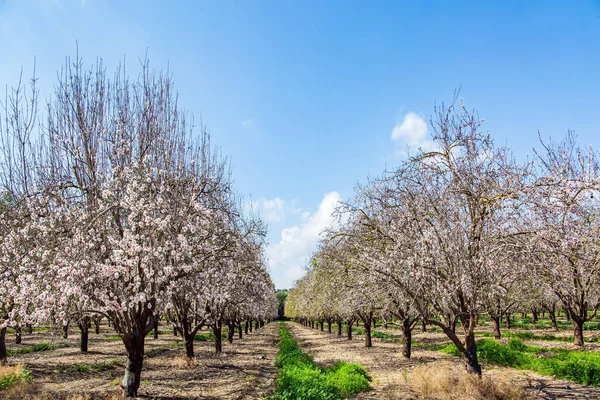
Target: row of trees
460, 231
112, 206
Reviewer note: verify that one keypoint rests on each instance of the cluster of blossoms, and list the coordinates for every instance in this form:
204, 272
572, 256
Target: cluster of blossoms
118, 211
460, 231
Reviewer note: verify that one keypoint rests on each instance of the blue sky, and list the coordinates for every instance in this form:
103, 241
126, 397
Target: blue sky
309, 97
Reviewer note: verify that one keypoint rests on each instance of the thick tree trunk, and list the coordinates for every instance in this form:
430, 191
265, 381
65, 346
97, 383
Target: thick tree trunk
189, 343
507, 321
156, 329
246, 327
18, 338
496, 321
29, 329
534, 315
218, 339
230, 332
454, 321
339, 324
368, 341
349, 330
250, 323
329, 326
256, 325
134, 343
3, 359
322, 325
374, 323
84, 324
552, 315
239, 326
471, 355
97, 324
577, 332
174, 330
406, 338
423, 326
66, 331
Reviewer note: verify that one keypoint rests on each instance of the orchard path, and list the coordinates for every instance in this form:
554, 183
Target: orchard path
391, 372
244, 370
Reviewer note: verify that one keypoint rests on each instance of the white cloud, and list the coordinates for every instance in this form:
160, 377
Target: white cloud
273, 209
412, 131
289, 255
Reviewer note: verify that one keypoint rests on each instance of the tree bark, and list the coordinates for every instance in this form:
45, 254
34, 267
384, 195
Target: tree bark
174, 330
239, 326
507, 321
534, 315
18, 338
84, 324
423, 326
496, 321
577, 332
406, 338
96, 321
3, 359
250, 323
66, 331
368, 341
339, 324
349, 330
156, 329
218, 339
470, 355
29, 329
134, 343
322, 324
329, 326
230, 331
256, 325
246, 327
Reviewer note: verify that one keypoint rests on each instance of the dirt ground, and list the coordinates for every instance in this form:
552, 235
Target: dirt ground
391, 372
243, 371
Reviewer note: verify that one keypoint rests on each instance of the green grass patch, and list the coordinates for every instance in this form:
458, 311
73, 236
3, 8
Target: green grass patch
13, 375
577, 366
300, 378
533, 336
30, 349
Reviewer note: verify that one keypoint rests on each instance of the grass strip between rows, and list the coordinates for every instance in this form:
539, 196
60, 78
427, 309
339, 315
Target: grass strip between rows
300, 378
577, 366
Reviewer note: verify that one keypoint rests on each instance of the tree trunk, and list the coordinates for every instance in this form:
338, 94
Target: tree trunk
246, 327
29, 329
156, 329
322, 324
134, 343
97, 324
84, 324
368, 342
174, 330
577, 332
507, 321
230, 332
189, 343
423, 326
329, 326
349, 330
239, 326
470, 355
454, 321
534, 315
552, 316
250, 323
18, 338
3, 359
339, 324
256, 325
496, 321
66, 331
406, 338
568, 315
218, 339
